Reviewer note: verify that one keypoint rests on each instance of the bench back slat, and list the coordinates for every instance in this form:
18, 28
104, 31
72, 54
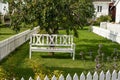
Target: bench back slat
54, 39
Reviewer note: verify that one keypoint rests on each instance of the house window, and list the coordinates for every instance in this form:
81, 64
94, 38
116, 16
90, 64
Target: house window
99, 8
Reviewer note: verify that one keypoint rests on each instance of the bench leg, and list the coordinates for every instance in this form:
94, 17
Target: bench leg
30, 54
73, 55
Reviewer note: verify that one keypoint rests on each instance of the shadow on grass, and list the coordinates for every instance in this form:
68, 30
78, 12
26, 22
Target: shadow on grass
24, 72
18, 73
58, 56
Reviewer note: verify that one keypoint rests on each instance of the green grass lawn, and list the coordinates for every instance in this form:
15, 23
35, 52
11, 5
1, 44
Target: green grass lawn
7, 32
18, 64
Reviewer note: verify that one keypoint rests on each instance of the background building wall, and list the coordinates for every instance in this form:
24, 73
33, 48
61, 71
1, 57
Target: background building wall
118, 12
4, 8
105, 8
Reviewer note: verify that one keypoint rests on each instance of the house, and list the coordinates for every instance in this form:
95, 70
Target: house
102, 7
117, 5
4, 8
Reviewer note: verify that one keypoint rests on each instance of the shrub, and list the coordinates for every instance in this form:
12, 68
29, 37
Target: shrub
40, 70
102, 18
3, 73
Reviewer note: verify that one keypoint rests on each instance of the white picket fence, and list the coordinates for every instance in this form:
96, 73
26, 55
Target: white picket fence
10, 44
110, 26
102, 76
114, 36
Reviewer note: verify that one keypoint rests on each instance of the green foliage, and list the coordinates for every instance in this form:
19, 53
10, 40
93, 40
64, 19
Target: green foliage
52, 15
3, 73
37, 68
102, 18
40, 70
63, 14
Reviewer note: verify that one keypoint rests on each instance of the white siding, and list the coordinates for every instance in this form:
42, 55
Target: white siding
118, 12
2, 6
105, 8
115, 37
110, 26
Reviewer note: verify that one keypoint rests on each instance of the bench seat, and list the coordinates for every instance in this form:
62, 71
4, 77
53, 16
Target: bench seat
50, 49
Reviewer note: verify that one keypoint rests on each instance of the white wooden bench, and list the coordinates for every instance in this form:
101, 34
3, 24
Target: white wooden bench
52, 43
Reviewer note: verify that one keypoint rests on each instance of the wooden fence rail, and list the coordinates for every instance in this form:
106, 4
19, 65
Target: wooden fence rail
10, 44
101, 76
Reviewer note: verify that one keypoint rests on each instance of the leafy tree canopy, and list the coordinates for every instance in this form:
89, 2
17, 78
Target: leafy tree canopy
52, 15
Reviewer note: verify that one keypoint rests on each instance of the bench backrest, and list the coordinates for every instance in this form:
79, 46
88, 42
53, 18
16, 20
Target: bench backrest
51, 40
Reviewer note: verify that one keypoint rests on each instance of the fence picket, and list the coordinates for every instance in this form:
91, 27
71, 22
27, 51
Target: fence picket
111, 35
75, 77
30, 78
108, 75
38, 78
46, 78
114, 75
119, 75
14, 79
82, 76
102, 76
22, 78
61, 77
95, 76
89, 76
54, 78
68, 77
